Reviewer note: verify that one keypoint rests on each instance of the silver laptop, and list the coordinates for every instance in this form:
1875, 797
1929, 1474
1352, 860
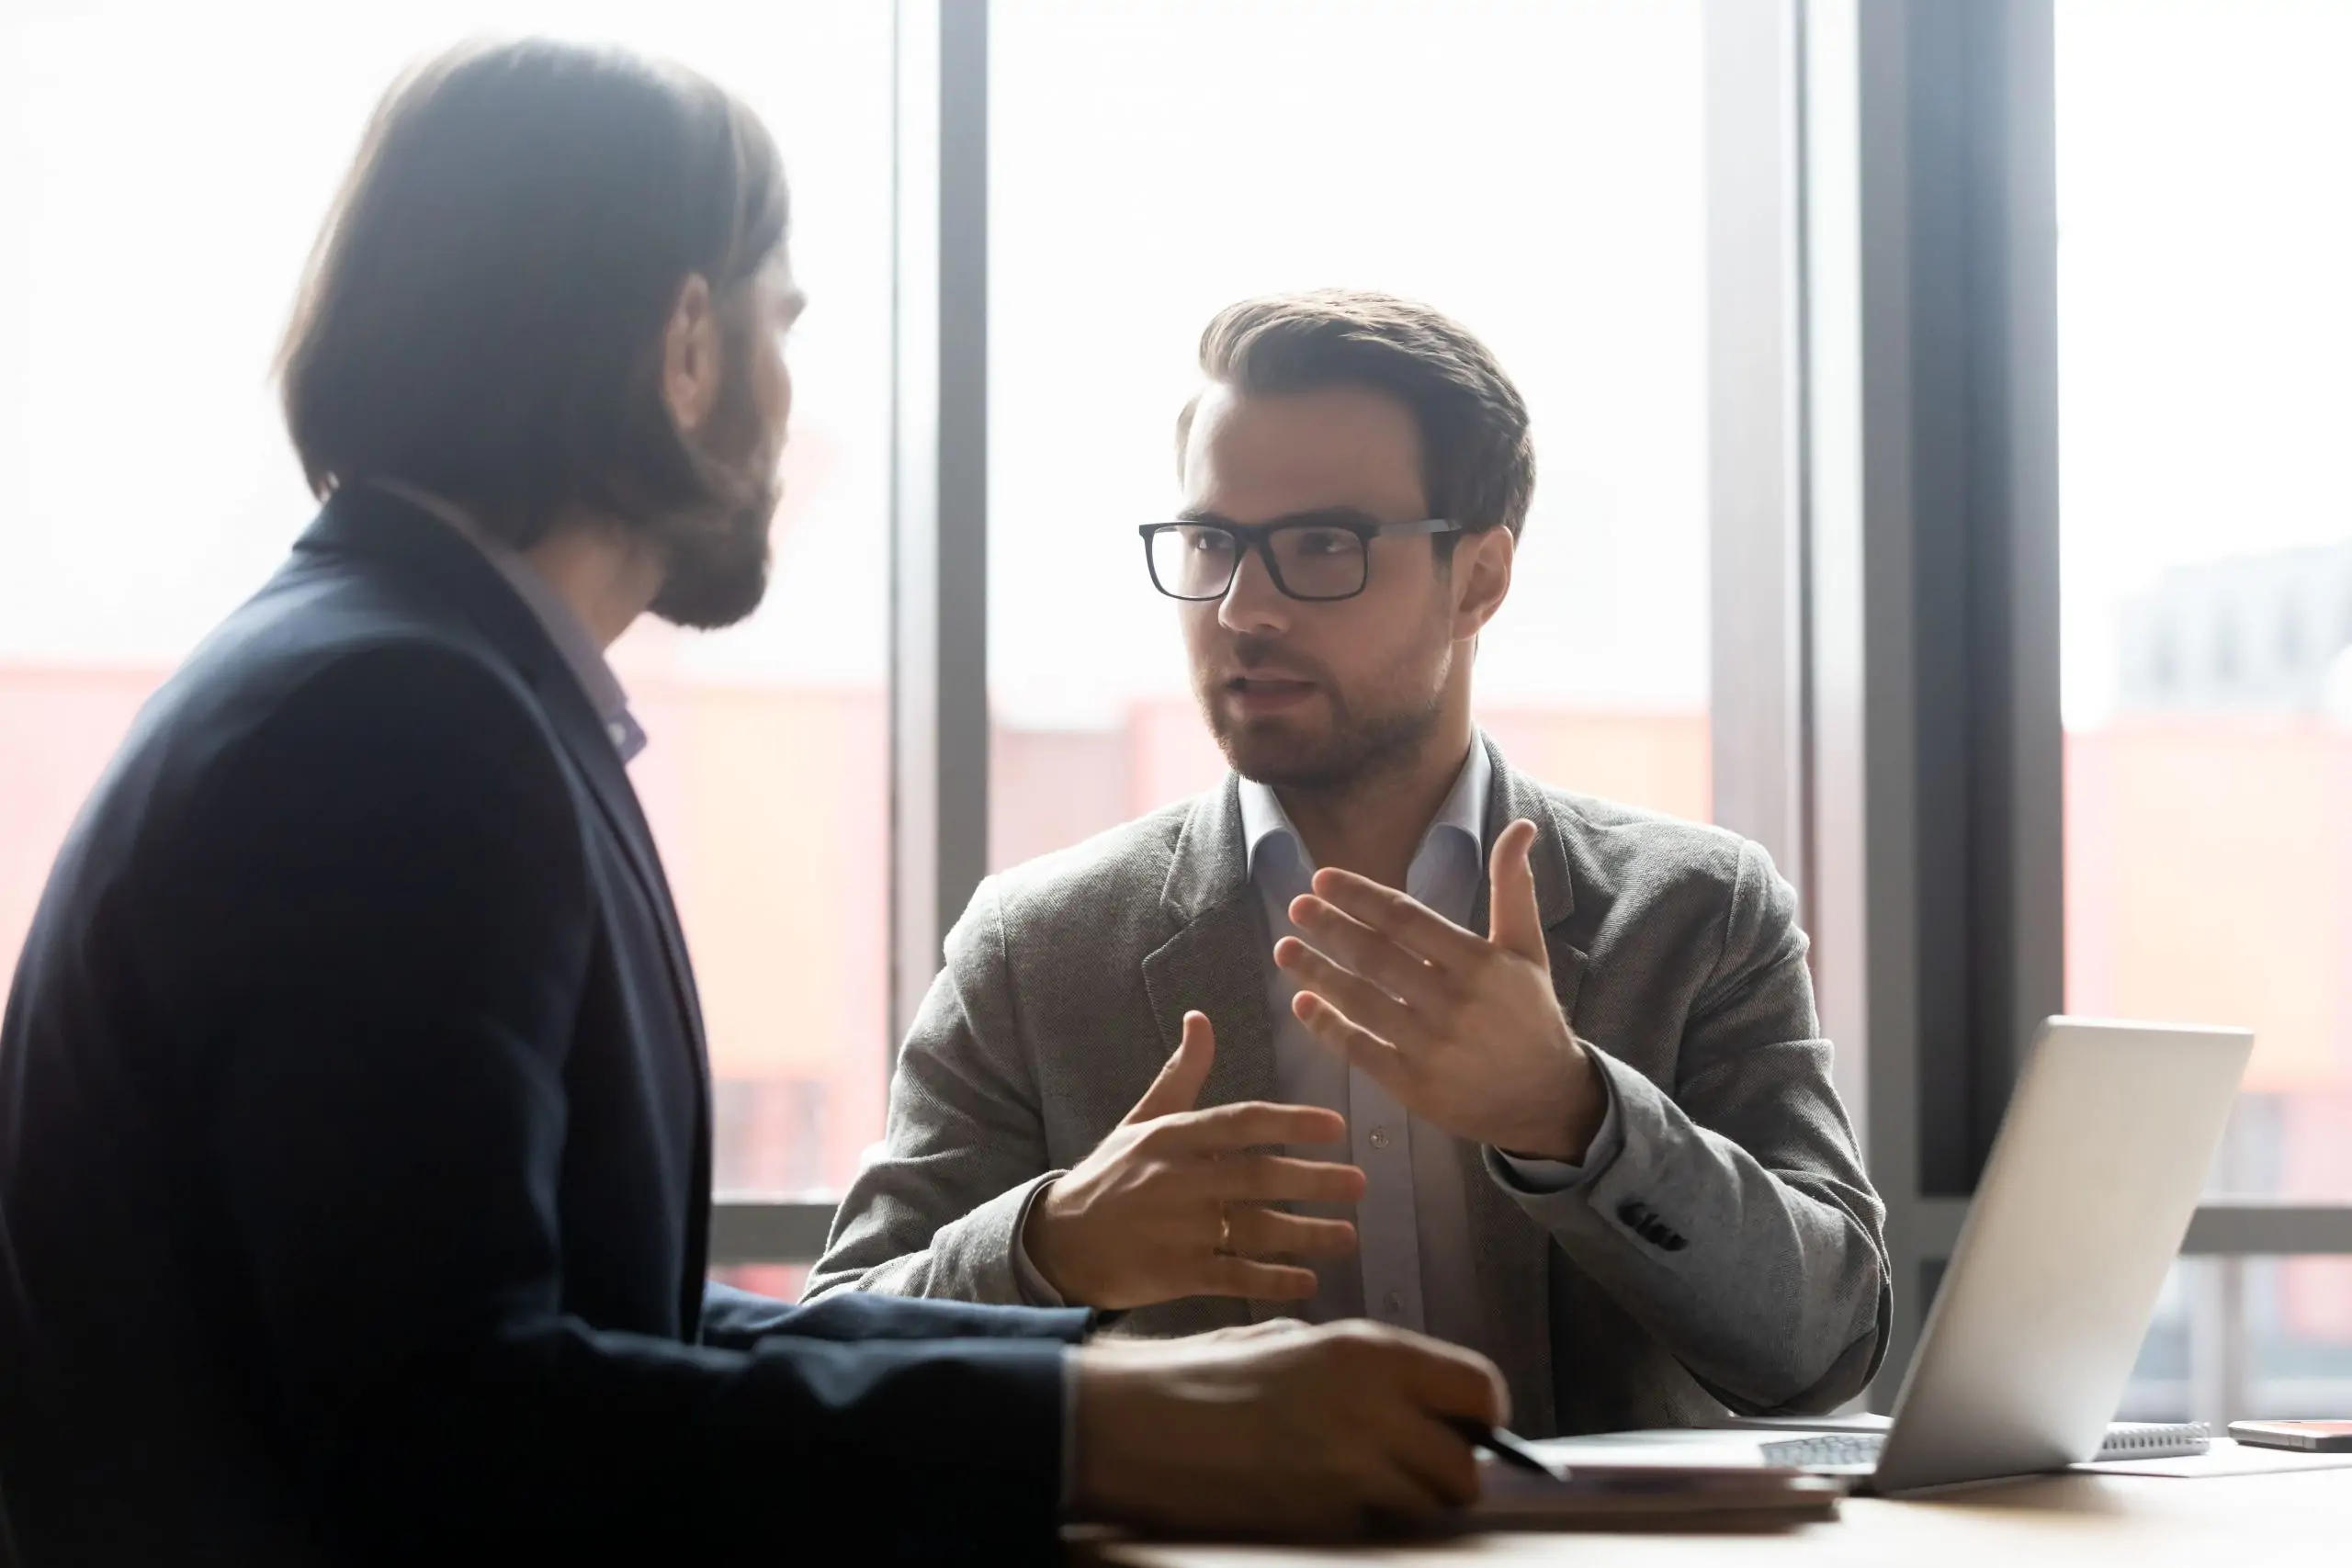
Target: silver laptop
2080, 1211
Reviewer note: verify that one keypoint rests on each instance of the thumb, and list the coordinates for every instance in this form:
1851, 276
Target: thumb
1516, 921
1179, 1083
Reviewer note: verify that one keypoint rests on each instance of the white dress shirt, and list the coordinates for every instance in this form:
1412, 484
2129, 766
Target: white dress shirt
1412, 1267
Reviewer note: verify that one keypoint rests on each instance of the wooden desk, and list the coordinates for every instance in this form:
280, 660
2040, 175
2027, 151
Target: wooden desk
2145, 1522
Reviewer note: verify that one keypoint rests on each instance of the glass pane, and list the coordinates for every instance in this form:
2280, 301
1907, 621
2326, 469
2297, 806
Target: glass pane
2205, 329
147, 486
782, 1281
2239, 1338
1532, 167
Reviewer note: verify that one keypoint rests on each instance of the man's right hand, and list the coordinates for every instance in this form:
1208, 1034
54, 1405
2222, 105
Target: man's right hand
1172, 1204
1312, 1432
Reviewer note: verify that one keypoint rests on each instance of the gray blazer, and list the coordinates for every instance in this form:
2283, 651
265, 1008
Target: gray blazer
1732, 1254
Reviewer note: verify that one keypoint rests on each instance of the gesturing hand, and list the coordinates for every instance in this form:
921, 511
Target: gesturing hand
1463, 1030
1170, 1204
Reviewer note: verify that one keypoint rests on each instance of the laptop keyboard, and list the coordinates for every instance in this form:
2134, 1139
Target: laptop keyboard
1860, 1451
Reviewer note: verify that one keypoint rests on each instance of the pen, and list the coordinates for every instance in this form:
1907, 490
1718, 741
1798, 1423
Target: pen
1513, 1451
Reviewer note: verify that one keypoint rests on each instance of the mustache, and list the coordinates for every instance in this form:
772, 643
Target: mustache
1254, 655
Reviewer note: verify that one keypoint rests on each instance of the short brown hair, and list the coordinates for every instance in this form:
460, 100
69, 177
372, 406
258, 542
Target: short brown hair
482, 313
1477, 459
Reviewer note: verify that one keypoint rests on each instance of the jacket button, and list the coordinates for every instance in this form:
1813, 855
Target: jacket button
1675, 1242
1631, 1214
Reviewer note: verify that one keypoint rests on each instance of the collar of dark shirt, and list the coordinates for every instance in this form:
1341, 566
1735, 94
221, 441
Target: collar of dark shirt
563, 625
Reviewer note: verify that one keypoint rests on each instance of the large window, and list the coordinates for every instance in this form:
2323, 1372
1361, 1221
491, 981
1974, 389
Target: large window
2239, 1337
163, 168
2206, 336
1556, 173
1534, 167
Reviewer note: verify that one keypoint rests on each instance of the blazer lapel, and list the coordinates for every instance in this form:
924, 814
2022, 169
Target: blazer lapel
1215, 962
617, 798
1509, 1251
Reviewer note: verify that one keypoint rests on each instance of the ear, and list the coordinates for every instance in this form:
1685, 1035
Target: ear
690, 348
1481, 566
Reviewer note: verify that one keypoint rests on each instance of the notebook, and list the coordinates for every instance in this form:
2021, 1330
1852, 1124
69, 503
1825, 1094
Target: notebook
1634, 1497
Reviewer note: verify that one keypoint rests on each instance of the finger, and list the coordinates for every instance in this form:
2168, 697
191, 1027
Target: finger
1393, 1497
1229, 1129
1448, 1381
1409, 922
1277, 1179
1221, 1274
1395, 968
1178, 1086
1516, 920
1360, 1047
1439, 1457
1358, 996
1270, 1233
1265, 1328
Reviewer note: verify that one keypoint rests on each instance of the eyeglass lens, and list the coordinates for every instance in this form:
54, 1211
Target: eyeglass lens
1197, 561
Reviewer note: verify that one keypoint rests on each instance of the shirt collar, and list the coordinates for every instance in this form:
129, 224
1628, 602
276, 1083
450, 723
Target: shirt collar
1463, 812
574, 642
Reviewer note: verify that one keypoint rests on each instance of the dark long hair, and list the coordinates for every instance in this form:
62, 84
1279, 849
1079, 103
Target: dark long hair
482, 313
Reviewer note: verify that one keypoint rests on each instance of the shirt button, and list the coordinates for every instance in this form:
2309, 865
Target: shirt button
1380, 1141
618, 731
1393, 1305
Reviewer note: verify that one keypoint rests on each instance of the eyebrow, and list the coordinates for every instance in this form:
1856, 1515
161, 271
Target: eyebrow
1326, 516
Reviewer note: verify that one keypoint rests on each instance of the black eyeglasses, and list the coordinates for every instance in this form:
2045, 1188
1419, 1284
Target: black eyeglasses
1309, 559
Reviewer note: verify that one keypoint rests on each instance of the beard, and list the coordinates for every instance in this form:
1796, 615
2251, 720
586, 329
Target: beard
1380, 727
718, 562
717, 556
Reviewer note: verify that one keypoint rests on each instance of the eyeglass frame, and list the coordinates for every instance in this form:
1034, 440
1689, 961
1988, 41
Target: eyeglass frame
1259, 536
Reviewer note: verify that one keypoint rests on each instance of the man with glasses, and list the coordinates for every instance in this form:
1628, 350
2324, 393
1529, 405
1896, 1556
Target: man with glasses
1569, 1049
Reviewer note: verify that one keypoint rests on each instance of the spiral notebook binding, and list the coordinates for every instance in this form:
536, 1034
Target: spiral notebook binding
2156, 1439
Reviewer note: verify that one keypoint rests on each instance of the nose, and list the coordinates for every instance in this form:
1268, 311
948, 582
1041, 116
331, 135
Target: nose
1251, 602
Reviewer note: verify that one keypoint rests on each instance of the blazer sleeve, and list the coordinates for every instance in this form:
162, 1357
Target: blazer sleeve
1734, 1222
389, 895
736, 1319
938, 1209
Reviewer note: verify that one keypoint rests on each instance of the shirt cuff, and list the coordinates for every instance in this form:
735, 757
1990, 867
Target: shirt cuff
1558, 1175
1034, 1291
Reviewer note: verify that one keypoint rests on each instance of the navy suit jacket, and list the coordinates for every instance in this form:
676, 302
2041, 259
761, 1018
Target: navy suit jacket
355, 1144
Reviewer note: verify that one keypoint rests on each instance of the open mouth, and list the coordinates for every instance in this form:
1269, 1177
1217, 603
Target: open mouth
1267, 693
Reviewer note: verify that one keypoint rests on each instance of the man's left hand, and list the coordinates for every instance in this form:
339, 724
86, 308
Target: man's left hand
1463, 1030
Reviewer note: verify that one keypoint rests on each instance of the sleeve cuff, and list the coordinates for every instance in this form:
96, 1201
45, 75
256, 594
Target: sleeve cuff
1034, 1291
1549, 1176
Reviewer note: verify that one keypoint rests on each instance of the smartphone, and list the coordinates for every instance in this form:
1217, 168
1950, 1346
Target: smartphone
2311, 1437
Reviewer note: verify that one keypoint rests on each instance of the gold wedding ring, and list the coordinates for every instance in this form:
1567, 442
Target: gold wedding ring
1223, 1228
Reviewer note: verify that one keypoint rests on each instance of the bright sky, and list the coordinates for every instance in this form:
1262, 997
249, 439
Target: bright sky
1531, 166
170, 164
2205, 296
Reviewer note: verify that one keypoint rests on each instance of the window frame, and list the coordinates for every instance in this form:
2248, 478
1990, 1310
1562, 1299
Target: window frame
938, 680
1884, 558
1937, 821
